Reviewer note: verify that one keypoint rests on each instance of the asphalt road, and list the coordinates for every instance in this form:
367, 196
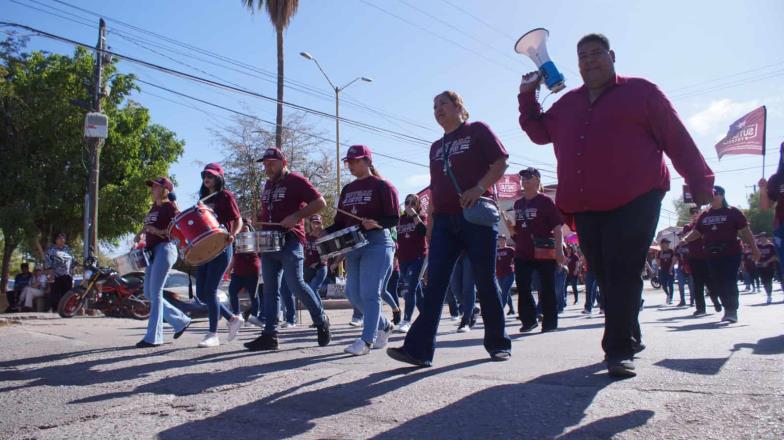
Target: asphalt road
82, 378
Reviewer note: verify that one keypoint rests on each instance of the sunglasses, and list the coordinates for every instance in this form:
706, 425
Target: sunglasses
410, 202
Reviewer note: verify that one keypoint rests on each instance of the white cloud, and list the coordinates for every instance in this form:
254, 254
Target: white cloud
716, 119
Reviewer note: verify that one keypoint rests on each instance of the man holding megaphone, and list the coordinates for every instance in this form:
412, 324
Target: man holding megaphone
609, 136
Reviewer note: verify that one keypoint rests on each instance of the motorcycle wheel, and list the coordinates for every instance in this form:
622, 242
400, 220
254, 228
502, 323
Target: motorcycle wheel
655, 283
71, 303
139, 306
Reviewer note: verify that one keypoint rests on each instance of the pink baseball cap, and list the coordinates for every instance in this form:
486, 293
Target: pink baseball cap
272, 154
358, 152
213, 168
162, 181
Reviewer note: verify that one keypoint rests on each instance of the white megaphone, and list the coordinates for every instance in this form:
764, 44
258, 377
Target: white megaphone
533, 45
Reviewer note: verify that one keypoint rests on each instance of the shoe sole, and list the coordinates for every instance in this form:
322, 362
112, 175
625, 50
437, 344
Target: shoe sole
406, 358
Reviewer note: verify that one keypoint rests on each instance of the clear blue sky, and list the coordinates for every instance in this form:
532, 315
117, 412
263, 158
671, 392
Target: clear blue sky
715, 59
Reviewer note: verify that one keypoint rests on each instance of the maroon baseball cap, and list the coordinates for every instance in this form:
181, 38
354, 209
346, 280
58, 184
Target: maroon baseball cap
213, 168
162, 181
272, 154
358, 152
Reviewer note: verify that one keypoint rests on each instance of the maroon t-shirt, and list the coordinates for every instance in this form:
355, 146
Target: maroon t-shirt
225, 207
767, 255
411, 238
246, 264
535, 219
311, 252
472, 148
504, 261
285, 197
696, 250
371, 198
776, 194
159, 216
720, 227
665, 259
682, 252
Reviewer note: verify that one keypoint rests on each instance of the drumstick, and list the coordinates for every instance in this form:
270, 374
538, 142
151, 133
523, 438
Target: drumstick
202, 200
269, 224
350, 214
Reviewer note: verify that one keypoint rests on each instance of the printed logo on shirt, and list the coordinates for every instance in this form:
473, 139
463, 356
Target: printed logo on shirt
359, 197
520, 218
406, 228
151, 218
455, 147
714, 220
273, 195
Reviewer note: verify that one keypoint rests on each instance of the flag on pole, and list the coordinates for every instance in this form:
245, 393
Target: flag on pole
745, 136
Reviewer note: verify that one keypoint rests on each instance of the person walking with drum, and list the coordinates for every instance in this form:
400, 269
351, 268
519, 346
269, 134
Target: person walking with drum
369, 202
208, 276
288, 198
163, 255
466, 162
411, 254
245, 268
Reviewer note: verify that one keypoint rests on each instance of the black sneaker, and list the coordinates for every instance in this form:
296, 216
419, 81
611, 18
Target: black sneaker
638, 347
717, 306
324, 335
400, 354
511, 312
179, 333
621, 368
145, 344
698, 313
529, 327
396, 317
474, 316
263, 342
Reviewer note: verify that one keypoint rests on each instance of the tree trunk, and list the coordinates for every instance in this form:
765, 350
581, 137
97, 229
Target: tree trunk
8, 250
279, 115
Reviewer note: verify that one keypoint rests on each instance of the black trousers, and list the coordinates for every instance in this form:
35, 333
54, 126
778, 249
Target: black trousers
572, 281
526, 306
699, 273
60, 287
766, 273
615, 243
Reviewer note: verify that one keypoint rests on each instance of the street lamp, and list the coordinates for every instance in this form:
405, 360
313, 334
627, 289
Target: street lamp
337, 90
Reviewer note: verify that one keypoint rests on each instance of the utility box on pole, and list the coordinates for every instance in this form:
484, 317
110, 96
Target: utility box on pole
96, 125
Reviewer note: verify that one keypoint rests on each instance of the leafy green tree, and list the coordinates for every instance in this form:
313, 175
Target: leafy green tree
760, 221
45, 157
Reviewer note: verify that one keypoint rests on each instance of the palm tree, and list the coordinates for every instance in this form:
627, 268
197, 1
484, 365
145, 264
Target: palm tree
280, 13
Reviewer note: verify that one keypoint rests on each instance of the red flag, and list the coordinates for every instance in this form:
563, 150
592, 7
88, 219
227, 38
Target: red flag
424, 199
745, 136
508, 187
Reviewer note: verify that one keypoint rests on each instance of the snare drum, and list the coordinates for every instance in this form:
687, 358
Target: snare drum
340, 242
269, 241
198, 235
246, 243
134, 261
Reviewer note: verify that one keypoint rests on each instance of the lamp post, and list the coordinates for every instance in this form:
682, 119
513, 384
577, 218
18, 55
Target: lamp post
337, 90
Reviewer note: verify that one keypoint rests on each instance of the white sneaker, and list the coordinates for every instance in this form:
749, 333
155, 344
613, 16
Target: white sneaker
358, 348
234, 327
255, 321
210, 340
464, 328
404, 327
355, 322
382, 337
288, 325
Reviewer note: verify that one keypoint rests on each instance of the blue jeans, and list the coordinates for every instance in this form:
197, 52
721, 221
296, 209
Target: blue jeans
315, 277
463, 287
368, 269
505, 283
684, 278
560, 288
164, 255
667, 282
208, 277
452, 234
590, 290
387, 296
287, 300
248, 282
287, 261
412, 288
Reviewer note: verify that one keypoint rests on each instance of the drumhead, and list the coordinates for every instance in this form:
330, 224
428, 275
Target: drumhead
206, 249
338, 233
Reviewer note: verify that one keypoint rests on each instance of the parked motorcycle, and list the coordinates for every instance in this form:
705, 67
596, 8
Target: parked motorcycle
105, 290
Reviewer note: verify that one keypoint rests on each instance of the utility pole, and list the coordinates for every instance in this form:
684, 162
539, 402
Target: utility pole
95, 143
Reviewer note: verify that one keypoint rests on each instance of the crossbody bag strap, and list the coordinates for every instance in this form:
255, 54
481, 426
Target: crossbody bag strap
452, 177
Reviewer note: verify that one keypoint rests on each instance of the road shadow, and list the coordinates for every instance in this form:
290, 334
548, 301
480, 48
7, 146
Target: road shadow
705, 366
503, 411
766, 346
609, 426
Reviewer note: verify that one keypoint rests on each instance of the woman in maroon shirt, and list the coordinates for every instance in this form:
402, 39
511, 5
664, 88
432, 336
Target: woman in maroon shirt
163, 255
373, 205
537, 224
719, 227
412, 250
767, 264
209, 275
